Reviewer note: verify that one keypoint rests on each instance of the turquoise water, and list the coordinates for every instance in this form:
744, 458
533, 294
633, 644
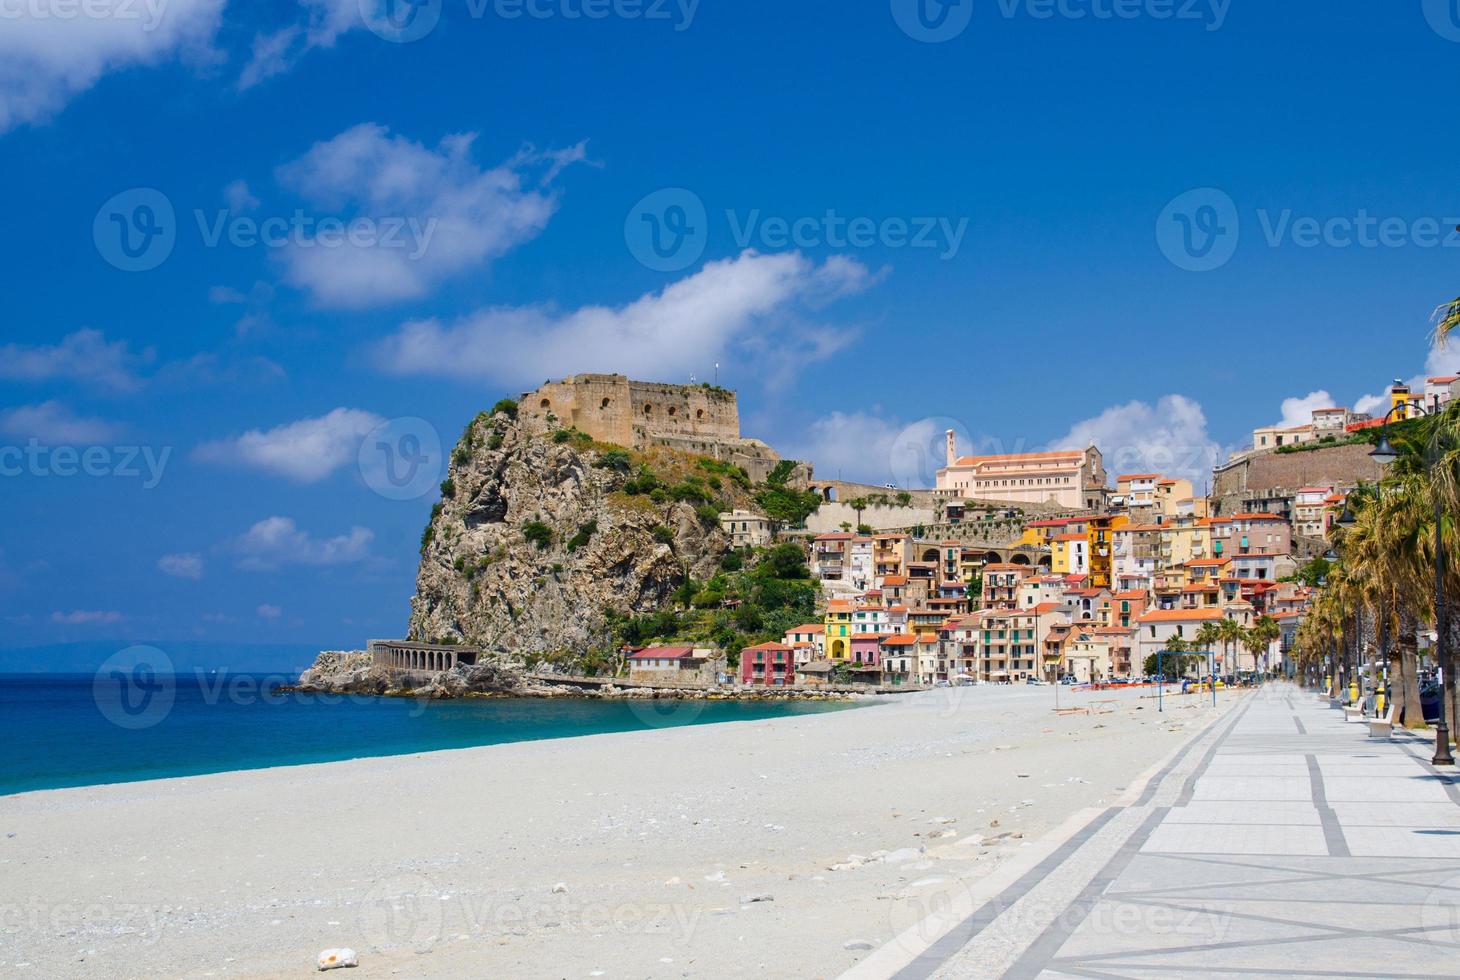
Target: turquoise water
80, 730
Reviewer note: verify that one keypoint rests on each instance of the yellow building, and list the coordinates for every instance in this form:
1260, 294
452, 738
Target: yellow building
1175, 496
1040, 534
1402, 401
1069, 554
840, 625
1184, 540
1100, 537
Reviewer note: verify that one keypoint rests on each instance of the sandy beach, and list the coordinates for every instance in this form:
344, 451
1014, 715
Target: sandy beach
785, 848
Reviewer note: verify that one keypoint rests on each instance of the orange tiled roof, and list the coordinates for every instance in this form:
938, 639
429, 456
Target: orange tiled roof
1180, 615
1021, 457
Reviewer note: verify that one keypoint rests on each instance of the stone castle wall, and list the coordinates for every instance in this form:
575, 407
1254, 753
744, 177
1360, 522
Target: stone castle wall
1284, 473
611, 408
697, 419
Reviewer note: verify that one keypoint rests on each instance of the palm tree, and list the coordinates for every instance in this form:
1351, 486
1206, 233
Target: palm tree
858, 504
1447, 319
1229, 631
1178, 648
1207, 636
1255, 643
1266, 632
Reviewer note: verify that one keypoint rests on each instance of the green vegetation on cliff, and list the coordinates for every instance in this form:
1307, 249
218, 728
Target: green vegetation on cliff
734, 609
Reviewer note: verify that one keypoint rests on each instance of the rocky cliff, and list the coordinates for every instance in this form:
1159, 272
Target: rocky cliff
542, 534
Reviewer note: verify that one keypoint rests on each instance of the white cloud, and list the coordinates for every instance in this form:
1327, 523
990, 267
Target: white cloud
1299, 411
277, 541
54, 423
48, 57
307, 450
275, 52
84, 356
437, 214
1370, 404
1444, 360
1169, 437
747, 302
854, 446
239, 198
267, 611
225, 296
86, 617
182, 565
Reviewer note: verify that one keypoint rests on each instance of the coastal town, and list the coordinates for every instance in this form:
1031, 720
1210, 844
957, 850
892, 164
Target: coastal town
1016, 569
1032, 568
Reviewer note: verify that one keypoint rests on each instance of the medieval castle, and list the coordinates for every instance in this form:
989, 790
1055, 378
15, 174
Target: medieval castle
700, 419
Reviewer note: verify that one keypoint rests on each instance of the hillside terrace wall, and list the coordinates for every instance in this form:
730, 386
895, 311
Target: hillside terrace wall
1282, 474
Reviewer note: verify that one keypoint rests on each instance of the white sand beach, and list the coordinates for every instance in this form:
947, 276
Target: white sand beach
708, 851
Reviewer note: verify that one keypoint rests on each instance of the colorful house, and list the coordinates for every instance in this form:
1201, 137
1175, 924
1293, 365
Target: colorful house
1069, 554
840, 619
767, 665
808, 640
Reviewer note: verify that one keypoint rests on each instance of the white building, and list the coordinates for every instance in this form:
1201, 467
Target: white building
746, 529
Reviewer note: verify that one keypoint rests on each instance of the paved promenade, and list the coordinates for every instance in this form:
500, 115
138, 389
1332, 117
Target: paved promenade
1281, 842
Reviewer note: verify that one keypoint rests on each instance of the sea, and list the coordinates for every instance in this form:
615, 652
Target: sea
122, 725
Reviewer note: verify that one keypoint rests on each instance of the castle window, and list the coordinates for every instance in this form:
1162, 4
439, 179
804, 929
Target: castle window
603, 404
648, 409
672, 410
545, 404
699, 413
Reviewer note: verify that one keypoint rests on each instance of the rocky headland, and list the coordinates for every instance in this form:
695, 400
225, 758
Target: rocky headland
546, 541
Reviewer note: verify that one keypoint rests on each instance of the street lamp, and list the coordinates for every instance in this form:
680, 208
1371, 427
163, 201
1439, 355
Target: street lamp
1384, 454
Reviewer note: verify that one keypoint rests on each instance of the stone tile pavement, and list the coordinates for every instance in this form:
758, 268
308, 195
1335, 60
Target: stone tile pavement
1282, 842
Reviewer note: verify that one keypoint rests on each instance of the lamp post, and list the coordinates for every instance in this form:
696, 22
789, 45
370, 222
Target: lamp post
1384, 454
1346, 520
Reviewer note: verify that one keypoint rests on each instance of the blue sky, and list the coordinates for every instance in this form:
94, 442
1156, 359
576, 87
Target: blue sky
1005, 258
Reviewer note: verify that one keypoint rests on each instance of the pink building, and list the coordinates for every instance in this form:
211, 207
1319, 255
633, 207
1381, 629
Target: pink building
1251, 534
866, 648
767, 665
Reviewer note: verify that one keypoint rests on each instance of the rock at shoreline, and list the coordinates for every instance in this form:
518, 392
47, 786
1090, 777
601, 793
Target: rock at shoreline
351, 672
